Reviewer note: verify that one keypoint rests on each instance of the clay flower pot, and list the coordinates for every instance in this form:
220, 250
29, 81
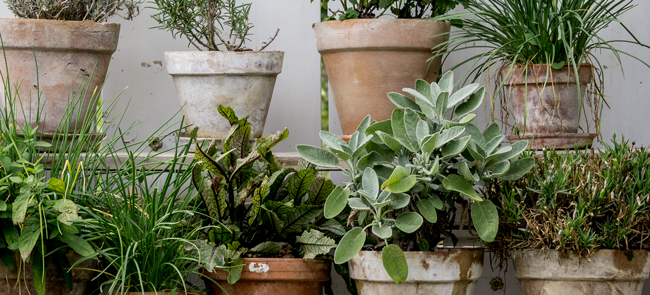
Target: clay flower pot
283, 276
547, 105
366, 59
559, 273
68, 53
54, 282
445, 271
243, 81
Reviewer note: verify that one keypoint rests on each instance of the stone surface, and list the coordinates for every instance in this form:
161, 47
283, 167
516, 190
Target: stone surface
366, 59
559, 273
445, 271
243, 81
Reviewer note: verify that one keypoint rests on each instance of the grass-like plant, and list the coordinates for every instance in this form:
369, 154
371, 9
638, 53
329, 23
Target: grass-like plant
525, 32
75, 10
208, 24
577, 200
353, 9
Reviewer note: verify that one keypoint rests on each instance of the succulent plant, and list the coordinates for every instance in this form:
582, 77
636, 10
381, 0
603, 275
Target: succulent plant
408, 172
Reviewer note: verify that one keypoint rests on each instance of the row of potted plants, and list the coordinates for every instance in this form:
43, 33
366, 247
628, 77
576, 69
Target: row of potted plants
253, 225
543, 78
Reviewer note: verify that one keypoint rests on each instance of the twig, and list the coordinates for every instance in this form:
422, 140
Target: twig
269, 43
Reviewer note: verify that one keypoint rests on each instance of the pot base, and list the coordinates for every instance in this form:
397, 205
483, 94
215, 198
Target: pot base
555, 141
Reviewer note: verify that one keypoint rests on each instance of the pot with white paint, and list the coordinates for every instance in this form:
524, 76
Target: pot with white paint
551, 272
243, 81
445, 271
282, 276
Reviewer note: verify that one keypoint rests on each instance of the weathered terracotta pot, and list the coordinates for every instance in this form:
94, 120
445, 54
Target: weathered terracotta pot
445, 271
559, 273
243, 81
54, 283
283, 276
544, 103
68, 53
366, 59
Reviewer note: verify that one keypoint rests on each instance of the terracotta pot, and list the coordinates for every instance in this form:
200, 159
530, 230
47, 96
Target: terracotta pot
544, 102
243, 81
366, 59
68, 53
559, 273
283, 276
10, 284
445, 271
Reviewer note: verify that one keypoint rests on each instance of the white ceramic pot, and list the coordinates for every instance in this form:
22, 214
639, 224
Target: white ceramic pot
243, 81
445, 271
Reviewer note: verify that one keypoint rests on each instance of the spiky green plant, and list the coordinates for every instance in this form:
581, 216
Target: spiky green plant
577, 200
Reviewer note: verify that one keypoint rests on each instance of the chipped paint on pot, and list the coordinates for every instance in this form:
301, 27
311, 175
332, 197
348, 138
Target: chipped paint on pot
559, 273
365, 59
243, 81
284, 276
67, 52
54, 283
445, 271
546, 103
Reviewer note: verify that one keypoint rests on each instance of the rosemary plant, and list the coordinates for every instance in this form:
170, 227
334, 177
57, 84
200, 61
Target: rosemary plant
76, 10
577, 200
208, 24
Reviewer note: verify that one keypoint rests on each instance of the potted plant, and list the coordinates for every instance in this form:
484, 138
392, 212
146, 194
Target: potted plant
407, 175
140, 218
577, 223
266, 221
543, 58
70, 43
367, 57
38, 215
228, 73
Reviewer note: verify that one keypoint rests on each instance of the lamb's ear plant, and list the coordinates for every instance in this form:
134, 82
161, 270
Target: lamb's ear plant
208, 24
408, 172
75, 10
353, 9
576, 200
256, 206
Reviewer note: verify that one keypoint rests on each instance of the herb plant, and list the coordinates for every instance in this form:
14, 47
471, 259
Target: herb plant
75, 10
208, 24
354, 9
408, 173
576, 200
257, 207
140, 215
559, 34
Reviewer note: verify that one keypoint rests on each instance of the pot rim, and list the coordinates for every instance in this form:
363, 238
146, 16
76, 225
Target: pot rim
224, 52
367, 20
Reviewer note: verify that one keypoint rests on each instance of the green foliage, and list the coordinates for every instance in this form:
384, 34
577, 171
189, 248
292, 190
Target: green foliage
528, 32
353, 9
407, 173
577, 200
257, 207
75, 10
203, 23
